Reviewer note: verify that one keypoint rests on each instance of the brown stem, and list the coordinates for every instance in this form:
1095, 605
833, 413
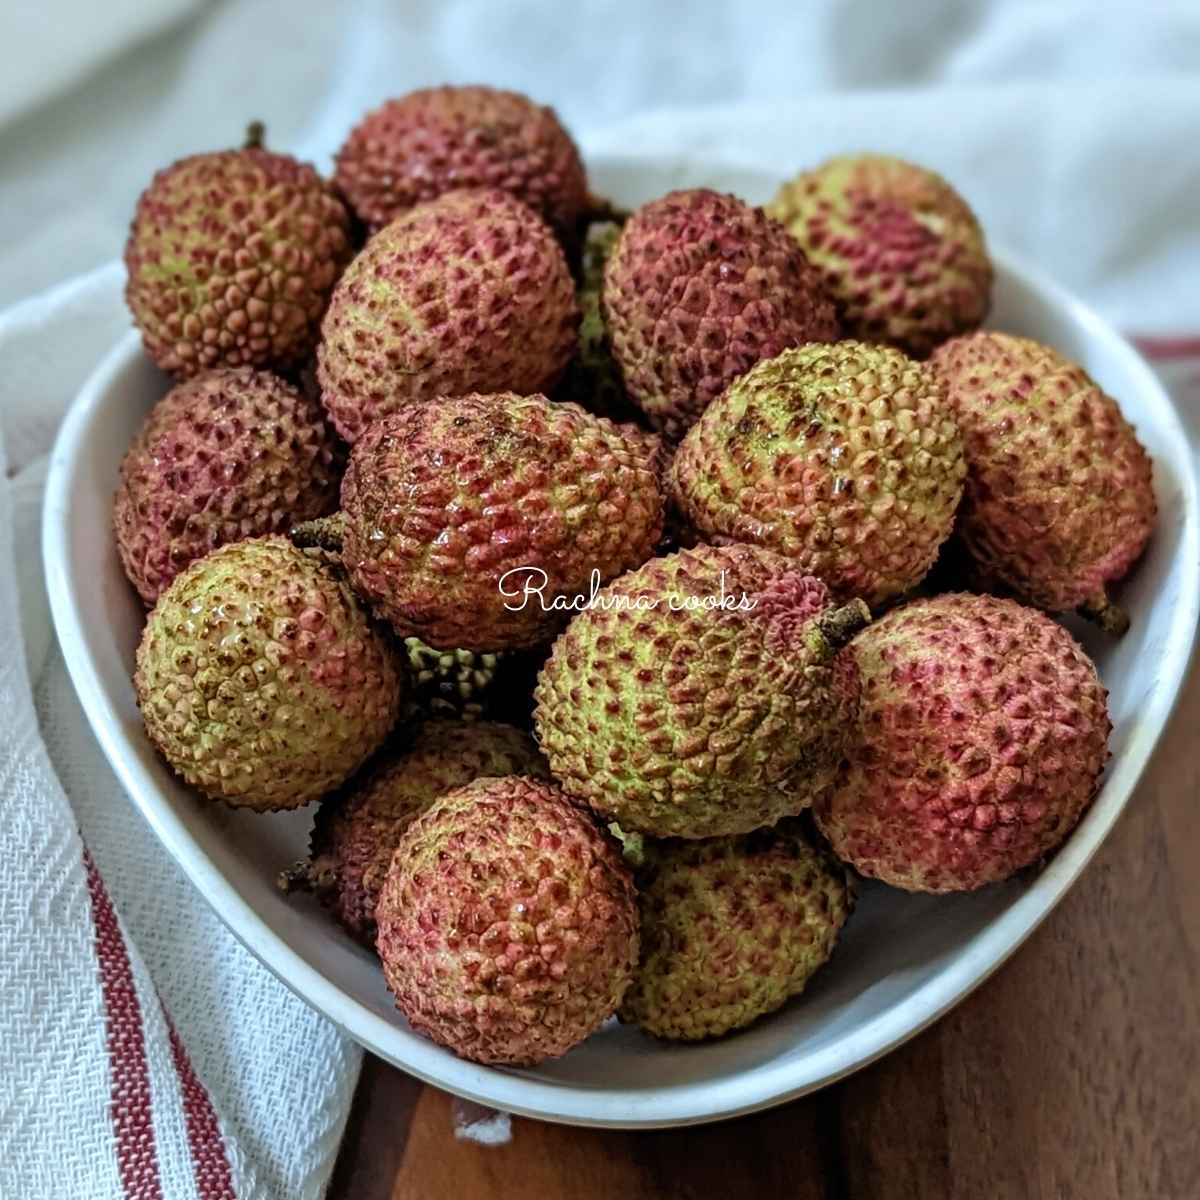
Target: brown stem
838, 625
256, 133
599, 208
324, 532
308, 875
296, 878
1111, 618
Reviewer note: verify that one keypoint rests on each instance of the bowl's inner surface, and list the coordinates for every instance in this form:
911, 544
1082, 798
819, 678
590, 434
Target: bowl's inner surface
894, 945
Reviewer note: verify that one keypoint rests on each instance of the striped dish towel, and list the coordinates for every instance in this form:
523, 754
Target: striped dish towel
144, 1054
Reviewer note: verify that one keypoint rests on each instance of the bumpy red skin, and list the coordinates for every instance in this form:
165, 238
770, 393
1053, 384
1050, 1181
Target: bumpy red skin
356, 833
846, 458
699, 288
446, 503
231, 454
682, 721
467, 293
984, 731
1059, 497
231, 259
440, 139
508, 923
899, 249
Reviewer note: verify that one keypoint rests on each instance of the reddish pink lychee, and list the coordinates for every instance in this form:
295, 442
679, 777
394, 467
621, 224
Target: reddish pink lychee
699, 288
982, 735
507, 923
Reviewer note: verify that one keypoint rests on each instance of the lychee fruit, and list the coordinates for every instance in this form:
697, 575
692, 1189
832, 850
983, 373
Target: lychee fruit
1059, 499
230, 454
447, 683
699, 288
260, 678
440, 139
480, 522
466, 293
507, 923
731, 929
701, 694
899, 249
844, 457
231, 259
982, 735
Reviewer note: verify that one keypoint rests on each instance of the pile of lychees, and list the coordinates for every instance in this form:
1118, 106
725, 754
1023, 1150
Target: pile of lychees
579, 562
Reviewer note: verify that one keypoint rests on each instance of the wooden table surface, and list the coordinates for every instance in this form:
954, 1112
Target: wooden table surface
1073, 1072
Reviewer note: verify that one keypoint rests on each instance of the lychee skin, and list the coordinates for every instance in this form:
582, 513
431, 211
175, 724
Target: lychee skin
453, 509
846, 458
441, 139
731, 929
260, 678
900, 251
699, 288
466, 293
231, 259
679, 719
356, 832
508, 925
1059, 496
983, 733
230, 454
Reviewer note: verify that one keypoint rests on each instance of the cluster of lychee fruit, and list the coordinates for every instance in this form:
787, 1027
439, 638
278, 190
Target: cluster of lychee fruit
579, 562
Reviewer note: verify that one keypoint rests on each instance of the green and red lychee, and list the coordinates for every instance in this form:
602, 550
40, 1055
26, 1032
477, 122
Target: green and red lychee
231, 259
899, 250
436, 140
230, 454
701, 694
466, 293
1059, 500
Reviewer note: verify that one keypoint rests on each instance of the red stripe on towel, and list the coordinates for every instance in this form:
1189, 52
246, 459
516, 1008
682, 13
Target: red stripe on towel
1164, 349
214, 1180
133, 1121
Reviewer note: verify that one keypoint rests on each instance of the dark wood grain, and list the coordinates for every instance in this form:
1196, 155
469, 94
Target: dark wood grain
1073, 1074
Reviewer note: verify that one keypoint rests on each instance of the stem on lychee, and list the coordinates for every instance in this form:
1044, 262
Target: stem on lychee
324, 532
307, 875
600, 208
256, 133
836, 626
1111, 618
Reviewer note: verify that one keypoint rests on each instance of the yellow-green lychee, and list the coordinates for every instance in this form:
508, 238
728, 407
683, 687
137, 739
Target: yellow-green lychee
261, 679
701, 694
845, 457
731, 929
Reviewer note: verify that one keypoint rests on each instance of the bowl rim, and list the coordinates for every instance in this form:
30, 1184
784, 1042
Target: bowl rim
614, 1107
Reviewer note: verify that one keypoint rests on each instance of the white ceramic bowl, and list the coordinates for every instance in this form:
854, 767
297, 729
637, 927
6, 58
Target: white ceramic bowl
904, 960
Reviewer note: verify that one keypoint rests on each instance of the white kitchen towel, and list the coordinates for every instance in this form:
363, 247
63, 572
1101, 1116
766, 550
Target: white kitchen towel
143, 1052
1110, 141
